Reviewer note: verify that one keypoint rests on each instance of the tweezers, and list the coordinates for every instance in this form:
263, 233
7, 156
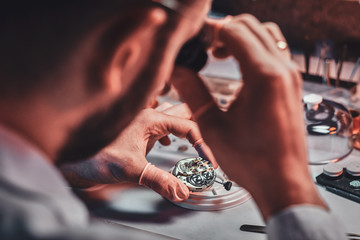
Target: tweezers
262, 229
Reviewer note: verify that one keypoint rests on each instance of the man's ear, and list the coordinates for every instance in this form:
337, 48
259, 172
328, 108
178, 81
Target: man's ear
129, 56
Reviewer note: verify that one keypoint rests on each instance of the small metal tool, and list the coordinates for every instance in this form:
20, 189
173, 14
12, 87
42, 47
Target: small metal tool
253, 228
227, 185
262, 229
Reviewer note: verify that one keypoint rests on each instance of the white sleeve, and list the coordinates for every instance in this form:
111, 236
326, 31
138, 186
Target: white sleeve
304, 222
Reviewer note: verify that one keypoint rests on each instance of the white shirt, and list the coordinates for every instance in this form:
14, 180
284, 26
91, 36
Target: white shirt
36, 202
304, 222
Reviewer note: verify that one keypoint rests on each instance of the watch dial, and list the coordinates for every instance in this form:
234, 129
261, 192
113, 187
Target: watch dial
197, 174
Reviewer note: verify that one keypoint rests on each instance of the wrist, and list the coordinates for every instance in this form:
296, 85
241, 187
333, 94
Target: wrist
287, 188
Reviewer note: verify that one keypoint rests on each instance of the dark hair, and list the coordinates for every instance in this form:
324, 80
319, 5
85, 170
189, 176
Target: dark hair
36, 37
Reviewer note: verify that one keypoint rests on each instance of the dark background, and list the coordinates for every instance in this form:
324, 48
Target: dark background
306, 22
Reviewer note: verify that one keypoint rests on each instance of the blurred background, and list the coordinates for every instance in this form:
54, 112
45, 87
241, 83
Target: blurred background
323, 35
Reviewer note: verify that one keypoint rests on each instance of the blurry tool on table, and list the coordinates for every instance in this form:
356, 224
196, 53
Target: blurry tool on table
328, 62
342, 180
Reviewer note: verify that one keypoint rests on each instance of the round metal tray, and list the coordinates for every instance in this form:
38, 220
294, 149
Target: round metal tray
216, 198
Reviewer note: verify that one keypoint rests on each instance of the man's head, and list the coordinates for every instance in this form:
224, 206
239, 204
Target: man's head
73, 74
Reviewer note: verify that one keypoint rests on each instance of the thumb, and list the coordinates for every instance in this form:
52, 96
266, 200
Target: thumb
164, 183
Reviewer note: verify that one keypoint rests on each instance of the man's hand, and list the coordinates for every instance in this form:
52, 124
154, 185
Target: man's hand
124, 159
260, 141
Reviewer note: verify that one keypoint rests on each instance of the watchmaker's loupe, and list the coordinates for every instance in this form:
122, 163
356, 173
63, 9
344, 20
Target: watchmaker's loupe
193, 54
209, 188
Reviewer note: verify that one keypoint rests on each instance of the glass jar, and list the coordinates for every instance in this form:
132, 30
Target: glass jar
328, 127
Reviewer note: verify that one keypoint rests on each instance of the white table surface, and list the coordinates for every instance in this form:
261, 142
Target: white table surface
143, 209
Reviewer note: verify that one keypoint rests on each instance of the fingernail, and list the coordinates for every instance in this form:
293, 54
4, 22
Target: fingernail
158, 16
205, 152
182, 193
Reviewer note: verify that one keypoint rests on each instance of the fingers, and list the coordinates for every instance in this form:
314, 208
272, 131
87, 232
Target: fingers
164, 183
191, 130
239, 39
255, 45
162, 107
258, 30
212, 30
193, 91
274, 30
205, 152
188, 129
181, 110
221, 52
269, 33
160, 125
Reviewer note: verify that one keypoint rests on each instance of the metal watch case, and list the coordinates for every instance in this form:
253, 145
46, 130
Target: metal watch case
196, 173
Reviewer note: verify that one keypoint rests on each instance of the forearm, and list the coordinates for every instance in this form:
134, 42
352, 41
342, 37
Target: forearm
87, 173
289, 186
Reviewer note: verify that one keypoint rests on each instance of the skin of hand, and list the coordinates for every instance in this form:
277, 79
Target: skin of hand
260, 141
124, 159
